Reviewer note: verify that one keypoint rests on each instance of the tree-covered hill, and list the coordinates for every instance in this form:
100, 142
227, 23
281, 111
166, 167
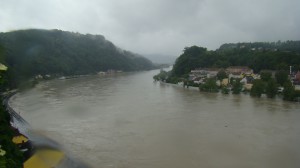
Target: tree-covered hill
32, 52
258, 56
291, 46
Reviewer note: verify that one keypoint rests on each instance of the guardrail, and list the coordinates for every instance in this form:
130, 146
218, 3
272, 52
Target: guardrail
38, 141
24, 127
16, 120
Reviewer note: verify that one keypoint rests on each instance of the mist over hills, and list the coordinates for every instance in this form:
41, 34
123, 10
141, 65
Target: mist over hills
34, 51
161, 59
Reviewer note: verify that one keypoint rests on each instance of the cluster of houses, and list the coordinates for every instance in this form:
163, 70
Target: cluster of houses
47, 76
245, 74
109, 72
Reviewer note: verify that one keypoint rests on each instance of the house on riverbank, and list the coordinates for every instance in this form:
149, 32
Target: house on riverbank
239, 70
199, 75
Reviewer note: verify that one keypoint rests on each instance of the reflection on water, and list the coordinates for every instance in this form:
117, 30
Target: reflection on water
130, 121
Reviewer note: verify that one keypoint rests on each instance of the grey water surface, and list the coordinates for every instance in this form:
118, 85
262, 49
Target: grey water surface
129, 121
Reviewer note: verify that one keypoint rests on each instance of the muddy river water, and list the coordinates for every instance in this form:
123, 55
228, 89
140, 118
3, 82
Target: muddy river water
128, 121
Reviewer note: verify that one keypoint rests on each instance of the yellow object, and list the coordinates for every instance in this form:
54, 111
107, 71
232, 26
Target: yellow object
3, 67
44, 158
19, 139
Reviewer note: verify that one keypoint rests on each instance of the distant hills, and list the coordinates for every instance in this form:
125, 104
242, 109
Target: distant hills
32, 52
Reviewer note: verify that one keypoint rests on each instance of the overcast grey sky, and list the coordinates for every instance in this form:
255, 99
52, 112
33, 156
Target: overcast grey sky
160, 26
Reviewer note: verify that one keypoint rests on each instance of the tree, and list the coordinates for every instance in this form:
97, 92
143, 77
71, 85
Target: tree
271, 88
221, 75
192, 57
236, 86
288, 91
257, 88
3, 72
162, 76
281, 77
225, 90
209, 86
1, 54
41, 52
265, 76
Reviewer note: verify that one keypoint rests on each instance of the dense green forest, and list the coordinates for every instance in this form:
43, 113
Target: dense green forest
32, 52
258, 56
293, 46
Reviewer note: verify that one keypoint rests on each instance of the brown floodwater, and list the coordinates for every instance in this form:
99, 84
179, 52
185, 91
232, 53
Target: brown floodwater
128, 121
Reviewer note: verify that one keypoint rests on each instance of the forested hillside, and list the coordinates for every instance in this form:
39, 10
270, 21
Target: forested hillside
293, 46
32, 52
258, 56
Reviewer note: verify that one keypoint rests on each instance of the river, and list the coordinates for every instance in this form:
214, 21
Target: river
129, 121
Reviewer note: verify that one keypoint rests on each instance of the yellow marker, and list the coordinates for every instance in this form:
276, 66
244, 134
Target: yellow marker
19, 139
44, 158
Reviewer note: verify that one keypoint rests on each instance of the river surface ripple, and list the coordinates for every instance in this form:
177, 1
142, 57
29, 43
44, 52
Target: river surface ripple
128, 121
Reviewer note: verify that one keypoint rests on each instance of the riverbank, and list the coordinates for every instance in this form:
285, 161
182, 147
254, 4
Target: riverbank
227, 91
176, 85
31, 145
10, 154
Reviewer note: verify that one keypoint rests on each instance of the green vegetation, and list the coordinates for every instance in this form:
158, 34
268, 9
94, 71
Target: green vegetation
10, 156
257, 88
265, 76
289, 91
13, 158
291, 46
258, 56
221, 75
162, 76
271, 88
236, 86
225, 90
281, 77
173, 80
209, 86
55, 52
192, 57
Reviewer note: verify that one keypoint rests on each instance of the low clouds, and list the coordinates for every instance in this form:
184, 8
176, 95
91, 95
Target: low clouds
160, 26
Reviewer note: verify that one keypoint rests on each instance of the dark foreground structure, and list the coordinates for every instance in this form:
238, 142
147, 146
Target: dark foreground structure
38, 150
